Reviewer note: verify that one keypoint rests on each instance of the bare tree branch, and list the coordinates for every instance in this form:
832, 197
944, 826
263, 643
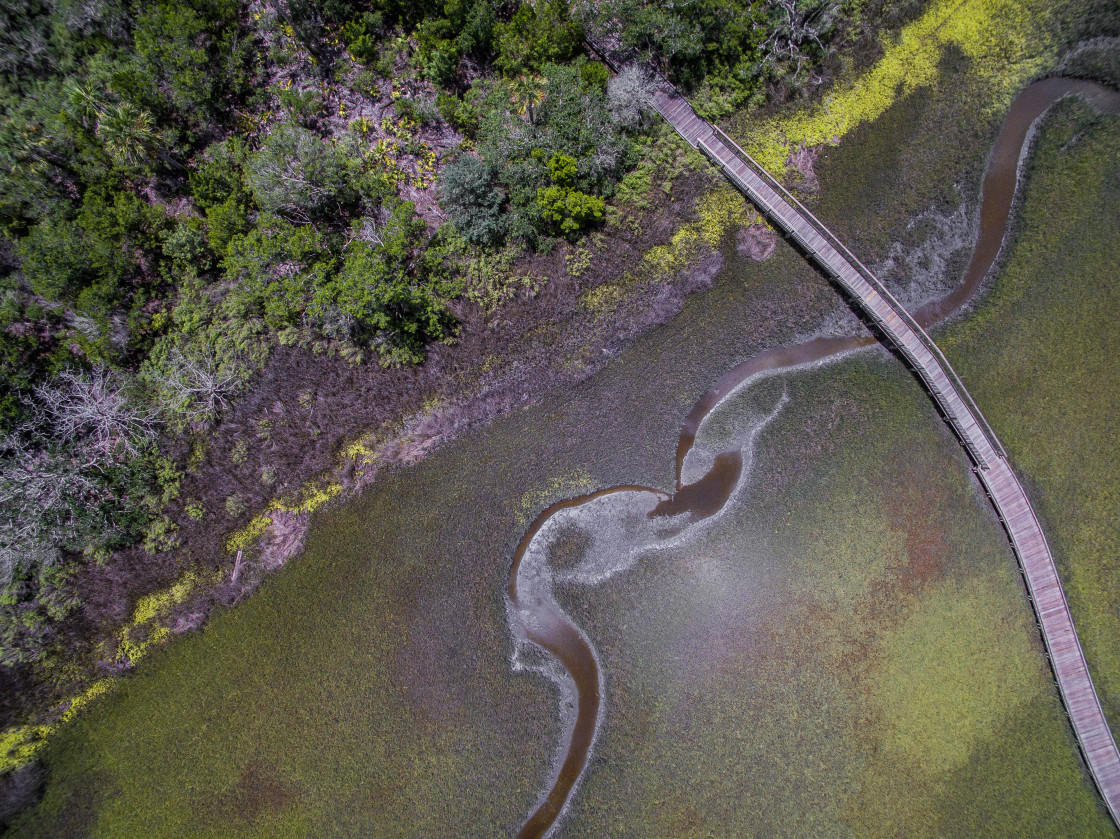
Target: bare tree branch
79, 405
197, 388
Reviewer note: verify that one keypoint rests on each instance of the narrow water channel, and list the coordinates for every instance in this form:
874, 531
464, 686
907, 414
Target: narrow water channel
644, 517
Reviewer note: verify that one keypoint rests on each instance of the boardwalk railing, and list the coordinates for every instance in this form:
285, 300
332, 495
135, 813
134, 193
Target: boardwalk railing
1044, 587
874, 300
902, 312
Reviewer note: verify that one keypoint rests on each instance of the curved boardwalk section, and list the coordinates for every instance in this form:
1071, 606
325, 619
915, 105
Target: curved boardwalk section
1003, 487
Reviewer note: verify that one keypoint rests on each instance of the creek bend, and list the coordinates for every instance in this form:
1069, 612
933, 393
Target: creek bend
648, 518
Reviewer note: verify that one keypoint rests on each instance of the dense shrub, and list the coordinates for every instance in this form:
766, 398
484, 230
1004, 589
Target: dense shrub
569, 210
473, 200
525, 124
389, 291
301, 176
538, 34
190, 56
54, 256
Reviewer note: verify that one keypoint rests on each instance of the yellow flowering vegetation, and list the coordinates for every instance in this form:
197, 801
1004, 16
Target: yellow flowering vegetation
142, 633
719, 211
361, 450
1000, 37
557, 488
311, 498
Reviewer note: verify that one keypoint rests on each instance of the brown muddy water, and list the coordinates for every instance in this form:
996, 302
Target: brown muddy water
628, 520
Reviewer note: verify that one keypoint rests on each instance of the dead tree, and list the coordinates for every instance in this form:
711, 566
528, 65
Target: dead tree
796, 27
92, 406
197, 389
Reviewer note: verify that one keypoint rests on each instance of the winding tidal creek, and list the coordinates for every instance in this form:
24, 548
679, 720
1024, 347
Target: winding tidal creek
776, 602
621, 524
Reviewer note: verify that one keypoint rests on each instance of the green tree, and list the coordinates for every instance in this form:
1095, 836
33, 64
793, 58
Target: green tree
570, 210
190, 55
528, 92
218, 188
55, 259
38, 159
274, 270
225, 221
297, 174
362, 36
220, 173
537, 34
595, 76
392, 289
473, 200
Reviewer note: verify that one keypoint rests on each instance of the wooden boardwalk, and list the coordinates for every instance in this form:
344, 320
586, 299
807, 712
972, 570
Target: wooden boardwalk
1003, 487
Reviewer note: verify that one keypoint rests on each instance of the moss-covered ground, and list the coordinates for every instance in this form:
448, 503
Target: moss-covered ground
847, 652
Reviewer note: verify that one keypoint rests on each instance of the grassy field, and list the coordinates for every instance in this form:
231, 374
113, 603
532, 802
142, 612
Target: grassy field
848, 652
360, 693
1040, 358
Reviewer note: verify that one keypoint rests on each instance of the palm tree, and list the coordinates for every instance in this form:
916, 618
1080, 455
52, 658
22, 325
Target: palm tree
128, 134
527, 92
83, 101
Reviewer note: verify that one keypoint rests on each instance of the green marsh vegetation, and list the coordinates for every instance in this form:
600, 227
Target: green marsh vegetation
855, 631
847, 652
1039, 355
869, 664
367, 689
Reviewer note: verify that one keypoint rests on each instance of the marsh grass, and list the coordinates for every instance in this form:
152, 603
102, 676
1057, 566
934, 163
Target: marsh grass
355, 695
849, 652
1040, 357
366, 690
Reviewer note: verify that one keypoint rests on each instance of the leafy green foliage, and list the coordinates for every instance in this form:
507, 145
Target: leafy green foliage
298, 174
390, 293
190, 56
219, 174
536, 35
474, 200
460, 114
594, 75
54, 259
465, 28
271, 268
225, 221
218, 186
362, 36
570, 210
186, 247
524, 125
